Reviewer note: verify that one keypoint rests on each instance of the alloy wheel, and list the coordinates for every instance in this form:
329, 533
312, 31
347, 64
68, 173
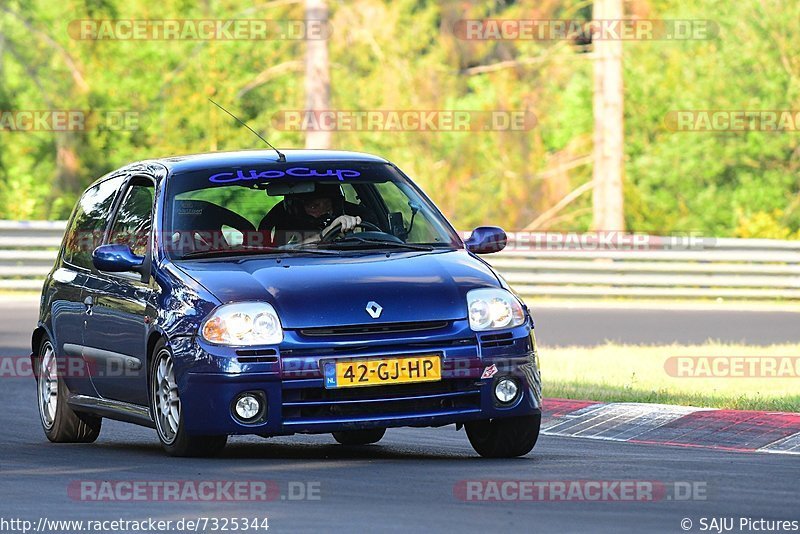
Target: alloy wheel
166, 402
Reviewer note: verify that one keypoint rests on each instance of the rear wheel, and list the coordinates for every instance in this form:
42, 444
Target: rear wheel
359, 437
504, 438
165, 407
61, 423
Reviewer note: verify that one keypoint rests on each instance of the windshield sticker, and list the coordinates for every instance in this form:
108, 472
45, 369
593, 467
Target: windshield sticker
297, 172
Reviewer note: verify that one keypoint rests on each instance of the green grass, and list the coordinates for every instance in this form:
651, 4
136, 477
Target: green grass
625, 373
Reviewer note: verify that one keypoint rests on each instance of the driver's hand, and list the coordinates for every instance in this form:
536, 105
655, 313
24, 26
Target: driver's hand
347, 223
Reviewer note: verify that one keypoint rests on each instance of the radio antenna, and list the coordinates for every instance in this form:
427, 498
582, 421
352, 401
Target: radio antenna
281, 156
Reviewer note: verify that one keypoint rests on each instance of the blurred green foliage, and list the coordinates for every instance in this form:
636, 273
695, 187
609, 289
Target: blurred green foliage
403, 54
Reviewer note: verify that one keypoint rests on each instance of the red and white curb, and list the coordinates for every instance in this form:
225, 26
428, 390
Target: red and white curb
684, 426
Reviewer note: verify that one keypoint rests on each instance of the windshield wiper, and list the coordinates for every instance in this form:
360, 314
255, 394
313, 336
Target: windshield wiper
378, 243
240, 251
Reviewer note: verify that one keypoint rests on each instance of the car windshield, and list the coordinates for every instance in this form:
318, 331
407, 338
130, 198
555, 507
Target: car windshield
299, 208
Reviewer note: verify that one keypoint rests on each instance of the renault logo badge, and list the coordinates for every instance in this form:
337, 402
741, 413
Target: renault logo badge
374, 309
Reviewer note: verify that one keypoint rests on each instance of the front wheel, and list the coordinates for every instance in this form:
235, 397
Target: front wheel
165, 407
60, 423
359, 437
504, 438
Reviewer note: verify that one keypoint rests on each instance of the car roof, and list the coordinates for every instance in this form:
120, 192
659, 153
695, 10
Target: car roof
211, 160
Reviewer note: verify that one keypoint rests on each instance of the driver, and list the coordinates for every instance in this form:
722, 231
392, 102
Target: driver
306, 217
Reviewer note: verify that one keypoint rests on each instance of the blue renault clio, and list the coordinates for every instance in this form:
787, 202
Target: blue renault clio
313, 292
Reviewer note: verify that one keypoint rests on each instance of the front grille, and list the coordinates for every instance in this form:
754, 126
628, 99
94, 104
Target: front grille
256, 352
383, 328
257, 355
497, 340
375, 346
322, 404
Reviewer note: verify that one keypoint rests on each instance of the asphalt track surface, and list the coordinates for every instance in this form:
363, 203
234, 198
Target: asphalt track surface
408, 482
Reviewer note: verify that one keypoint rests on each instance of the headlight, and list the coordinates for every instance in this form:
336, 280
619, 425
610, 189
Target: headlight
493, 309
245, 323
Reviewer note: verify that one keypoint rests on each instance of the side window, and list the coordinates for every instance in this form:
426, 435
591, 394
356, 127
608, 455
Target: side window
89, 222
134, 218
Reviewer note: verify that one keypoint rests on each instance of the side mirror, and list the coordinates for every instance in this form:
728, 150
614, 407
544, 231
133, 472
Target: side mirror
117, 259
487, 239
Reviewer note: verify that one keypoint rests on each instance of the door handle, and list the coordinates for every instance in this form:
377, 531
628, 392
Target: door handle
88, 302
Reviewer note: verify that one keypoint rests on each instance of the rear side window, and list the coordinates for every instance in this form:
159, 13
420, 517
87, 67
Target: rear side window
89, 222
134, 219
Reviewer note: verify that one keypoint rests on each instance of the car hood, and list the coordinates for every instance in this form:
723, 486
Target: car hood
315, 291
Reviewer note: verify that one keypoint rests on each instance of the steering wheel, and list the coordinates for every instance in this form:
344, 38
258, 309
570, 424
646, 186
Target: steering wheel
337, 230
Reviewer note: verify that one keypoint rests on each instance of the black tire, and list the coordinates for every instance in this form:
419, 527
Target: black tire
61, 424
171, 433
504, 438
359, 437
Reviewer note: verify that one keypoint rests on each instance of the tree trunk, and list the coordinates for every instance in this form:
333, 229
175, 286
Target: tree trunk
318, 81
67, 163
608, 124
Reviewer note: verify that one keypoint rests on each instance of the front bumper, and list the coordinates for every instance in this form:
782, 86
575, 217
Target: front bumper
289, 378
